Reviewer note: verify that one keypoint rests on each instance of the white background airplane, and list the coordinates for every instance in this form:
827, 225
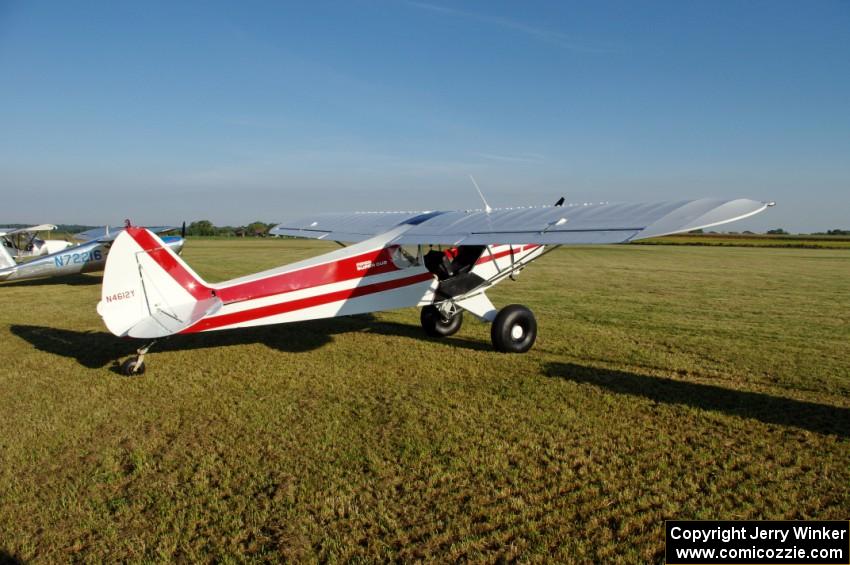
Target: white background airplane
70, 258
23, 243
149, 292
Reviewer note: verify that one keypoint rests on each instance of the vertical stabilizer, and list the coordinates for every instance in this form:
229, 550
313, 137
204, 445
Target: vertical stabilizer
148, 291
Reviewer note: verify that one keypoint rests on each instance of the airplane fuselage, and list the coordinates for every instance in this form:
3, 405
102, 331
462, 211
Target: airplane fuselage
152, 294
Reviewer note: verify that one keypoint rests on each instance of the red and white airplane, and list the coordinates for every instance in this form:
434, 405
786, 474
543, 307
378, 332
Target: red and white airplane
150, 292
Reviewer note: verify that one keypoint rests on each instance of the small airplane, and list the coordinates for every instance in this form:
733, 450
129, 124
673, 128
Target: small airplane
149, 292
87, 256
23, 243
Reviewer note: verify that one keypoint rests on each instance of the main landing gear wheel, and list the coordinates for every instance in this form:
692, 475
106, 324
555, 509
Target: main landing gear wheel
133, 367
436, 324
514, 329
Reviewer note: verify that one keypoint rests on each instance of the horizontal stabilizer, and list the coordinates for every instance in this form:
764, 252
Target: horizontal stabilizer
168, 320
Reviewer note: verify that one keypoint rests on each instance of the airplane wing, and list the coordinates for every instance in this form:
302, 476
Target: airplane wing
109, 233
30, 229
351, 227
94, 233
550, 225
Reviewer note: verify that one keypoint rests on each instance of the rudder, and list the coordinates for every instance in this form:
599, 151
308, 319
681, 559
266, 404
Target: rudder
148, 291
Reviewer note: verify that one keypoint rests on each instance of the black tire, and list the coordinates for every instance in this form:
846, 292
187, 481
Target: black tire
435, 325
130, 369
514, 330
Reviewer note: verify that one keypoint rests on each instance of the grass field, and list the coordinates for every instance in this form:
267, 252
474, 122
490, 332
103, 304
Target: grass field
666, 382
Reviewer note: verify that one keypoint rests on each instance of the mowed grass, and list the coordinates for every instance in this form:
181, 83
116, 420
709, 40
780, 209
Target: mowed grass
666, 382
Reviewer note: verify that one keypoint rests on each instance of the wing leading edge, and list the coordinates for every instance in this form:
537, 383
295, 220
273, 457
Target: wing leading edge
30, 229
109, 233
561, 225
350, 227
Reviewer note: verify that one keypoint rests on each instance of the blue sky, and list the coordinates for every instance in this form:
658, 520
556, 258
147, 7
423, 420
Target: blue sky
165, 111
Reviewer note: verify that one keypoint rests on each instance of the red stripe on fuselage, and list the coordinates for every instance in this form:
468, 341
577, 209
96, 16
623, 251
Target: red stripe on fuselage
366, 264
214, 322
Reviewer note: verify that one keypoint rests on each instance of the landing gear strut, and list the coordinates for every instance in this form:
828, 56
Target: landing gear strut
514, 330
437, 324
135, 366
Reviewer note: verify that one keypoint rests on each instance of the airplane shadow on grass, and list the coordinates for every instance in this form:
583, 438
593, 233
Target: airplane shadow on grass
7, 558
819, 418
98, 349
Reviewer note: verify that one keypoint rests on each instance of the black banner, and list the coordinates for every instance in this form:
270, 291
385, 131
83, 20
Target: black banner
694, 542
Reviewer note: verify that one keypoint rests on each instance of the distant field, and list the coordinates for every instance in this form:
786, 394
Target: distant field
754, 240
667, 382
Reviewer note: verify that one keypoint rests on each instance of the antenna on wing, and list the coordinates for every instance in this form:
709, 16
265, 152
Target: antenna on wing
560, 202
475, 184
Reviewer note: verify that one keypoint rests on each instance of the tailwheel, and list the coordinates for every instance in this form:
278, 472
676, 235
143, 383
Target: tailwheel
514, 330
136, 365
133, 367
436, 324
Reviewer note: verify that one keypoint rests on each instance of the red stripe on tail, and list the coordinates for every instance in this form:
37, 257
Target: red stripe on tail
164, 258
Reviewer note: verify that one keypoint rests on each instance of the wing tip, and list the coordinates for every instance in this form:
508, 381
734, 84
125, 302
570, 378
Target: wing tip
726, 212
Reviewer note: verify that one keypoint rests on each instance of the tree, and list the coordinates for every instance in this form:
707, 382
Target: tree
257, 228
777, 231
225, 231
201, 227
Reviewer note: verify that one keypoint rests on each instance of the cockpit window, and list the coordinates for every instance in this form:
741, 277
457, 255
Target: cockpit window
404, 256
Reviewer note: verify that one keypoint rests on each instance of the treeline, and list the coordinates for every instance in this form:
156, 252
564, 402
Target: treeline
833, 232
207, 228
775, 231
780, 231
73, 228
64, 228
